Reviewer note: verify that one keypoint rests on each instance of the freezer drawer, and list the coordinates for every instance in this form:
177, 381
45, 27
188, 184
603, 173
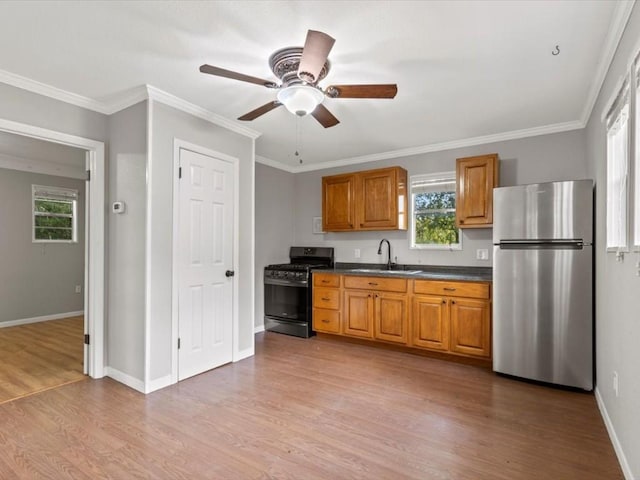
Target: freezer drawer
542, 318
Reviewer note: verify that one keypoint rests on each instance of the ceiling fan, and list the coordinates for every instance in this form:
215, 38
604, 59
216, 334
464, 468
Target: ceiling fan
299, 71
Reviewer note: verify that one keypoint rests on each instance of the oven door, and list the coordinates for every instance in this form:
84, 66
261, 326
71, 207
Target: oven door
286, 300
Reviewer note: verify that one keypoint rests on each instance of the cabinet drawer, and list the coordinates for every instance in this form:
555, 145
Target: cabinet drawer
376, 283
326, 320
326, 280
326, 298
452, 289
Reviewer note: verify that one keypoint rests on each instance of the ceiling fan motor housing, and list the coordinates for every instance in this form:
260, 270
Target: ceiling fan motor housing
285, 63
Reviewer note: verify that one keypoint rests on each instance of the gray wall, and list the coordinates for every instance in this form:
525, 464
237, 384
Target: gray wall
168, 124
537, 159
126, 180
617, 285
36, 279
275, 202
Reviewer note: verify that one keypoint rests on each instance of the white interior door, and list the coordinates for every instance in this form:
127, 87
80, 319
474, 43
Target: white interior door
205, 292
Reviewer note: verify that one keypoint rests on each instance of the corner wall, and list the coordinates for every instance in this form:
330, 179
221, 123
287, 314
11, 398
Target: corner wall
617, 285
126, 182
275, 201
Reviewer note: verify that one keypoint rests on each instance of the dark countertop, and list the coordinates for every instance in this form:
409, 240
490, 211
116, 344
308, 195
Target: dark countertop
428, 272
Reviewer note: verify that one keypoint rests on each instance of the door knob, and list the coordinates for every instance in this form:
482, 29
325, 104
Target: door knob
229, 273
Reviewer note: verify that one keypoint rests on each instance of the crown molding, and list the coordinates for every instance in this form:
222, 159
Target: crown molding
52, 92
124, 100
616, 30
439, 147
160, 96
275, 164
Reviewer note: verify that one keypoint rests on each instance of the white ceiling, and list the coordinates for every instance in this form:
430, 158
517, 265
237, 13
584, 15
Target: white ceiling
464, 69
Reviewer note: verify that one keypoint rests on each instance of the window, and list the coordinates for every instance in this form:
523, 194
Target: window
54, 214
433, 212
618, 170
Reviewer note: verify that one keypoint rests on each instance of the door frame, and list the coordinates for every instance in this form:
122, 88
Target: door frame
184, 145
94, 234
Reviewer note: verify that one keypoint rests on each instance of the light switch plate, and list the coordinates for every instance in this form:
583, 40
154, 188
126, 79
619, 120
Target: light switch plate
482, 254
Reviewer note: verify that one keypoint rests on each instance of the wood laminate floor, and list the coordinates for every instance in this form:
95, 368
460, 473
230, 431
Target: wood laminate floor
311, 409
39, 356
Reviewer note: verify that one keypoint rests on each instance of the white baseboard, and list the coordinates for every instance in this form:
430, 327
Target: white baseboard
158, 383
43, 318
624, 464
125, 379
242, 354
258, 329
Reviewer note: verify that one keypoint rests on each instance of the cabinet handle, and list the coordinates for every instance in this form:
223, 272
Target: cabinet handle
453, 302
449, 289
325, 281
373, 284
461, 221
444, 301
325, 299
369, 295
324, 320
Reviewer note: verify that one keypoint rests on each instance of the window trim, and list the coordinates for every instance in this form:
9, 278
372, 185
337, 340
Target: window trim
69, 194
624, 97
450, 177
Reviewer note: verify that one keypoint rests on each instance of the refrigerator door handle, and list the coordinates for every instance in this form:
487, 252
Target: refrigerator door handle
541, 245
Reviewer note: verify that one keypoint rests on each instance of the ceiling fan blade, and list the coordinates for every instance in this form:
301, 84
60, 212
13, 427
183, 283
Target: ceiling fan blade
253, 114
221, 72
362, 91
324, 116
314, 55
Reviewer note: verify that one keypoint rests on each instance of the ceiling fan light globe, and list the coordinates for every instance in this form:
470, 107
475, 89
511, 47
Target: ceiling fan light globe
300, 99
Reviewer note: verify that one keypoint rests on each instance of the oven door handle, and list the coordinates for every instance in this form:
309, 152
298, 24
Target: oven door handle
286, 283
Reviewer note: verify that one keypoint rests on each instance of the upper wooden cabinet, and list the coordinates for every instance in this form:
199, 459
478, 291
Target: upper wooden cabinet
476, 178
367, 200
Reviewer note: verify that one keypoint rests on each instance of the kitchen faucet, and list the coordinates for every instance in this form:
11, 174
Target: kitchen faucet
388, 252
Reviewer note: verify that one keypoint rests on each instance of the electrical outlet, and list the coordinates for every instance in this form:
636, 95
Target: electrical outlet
356, 253
78, 288
616, 383
482, 254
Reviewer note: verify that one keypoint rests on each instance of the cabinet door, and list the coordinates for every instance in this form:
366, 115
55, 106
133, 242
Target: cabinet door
377, 203
430, 320
476, 177
338, 203
390, 317
470, 326
358, 313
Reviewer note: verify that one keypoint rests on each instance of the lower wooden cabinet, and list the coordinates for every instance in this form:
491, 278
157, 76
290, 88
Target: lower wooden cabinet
430, 322
358, 313
390, 317
470, 326
449, 317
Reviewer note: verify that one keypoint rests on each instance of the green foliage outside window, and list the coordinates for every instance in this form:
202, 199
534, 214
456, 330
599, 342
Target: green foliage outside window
435, 218
53, 219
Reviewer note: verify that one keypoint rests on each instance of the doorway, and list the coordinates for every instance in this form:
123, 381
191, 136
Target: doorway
205, 251
93, 310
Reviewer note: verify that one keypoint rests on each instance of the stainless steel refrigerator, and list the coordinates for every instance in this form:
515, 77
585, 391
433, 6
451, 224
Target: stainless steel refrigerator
542, 278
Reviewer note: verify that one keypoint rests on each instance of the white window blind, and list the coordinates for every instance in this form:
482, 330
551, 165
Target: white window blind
618, 170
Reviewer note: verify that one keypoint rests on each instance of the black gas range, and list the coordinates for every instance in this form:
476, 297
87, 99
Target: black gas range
288, 290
